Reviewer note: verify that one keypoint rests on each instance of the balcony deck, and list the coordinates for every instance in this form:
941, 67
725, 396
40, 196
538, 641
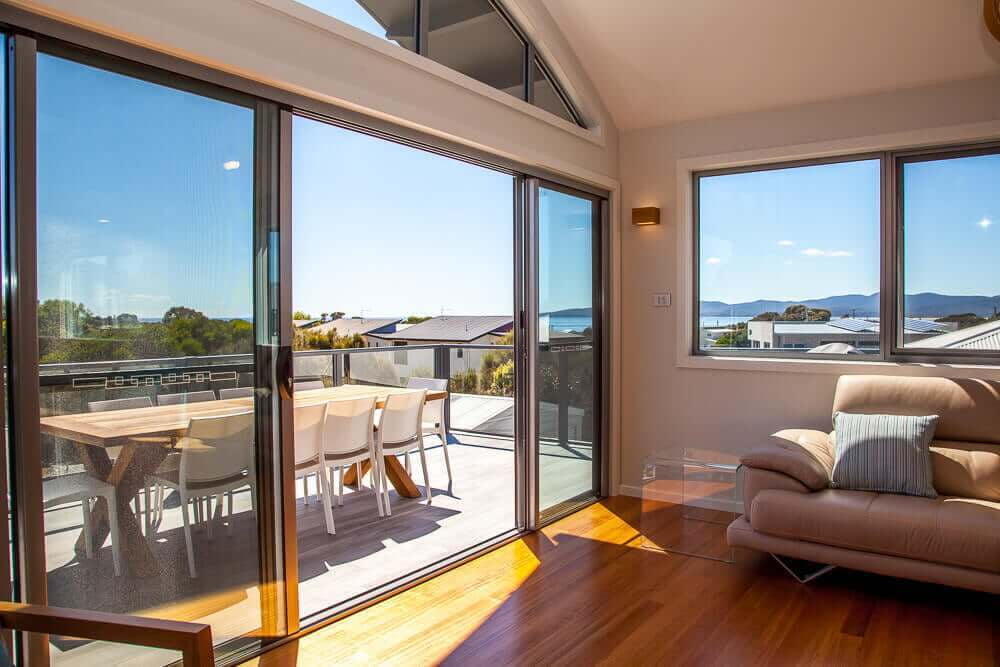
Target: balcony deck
365, 553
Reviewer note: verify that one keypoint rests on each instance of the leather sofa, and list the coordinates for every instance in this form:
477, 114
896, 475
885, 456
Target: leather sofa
954, 539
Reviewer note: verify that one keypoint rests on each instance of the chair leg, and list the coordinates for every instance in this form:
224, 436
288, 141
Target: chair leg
88, 538
229, 523
209, 516
113, 525
187, 535
423, 464
340, 497
305, 488
443, 434
324, 499
148, 516
377, 486
159, 505
406, 463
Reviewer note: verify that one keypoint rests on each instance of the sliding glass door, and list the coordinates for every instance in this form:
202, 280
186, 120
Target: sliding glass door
154, 415
566, 360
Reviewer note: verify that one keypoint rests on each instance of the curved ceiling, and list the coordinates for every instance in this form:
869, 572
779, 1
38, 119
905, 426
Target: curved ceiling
663, 61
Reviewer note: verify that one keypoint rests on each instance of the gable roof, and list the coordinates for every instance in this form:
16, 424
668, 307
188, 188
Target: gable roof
349, 326
458, 328
985, 336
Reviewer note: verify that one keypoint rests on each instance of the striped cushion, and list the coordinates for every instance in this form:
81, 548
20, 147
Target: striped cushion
887, 453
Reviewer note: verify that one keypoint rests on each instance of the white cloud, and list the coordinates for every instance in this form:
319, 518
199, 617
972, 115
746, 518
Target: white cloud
816, 252
231, 164
104, 221
985, 223
713, 260
786, 243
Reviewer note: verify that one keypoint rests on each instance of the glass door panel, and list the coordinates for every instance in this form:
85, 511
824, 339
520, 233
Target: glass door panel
146, 330
567, 356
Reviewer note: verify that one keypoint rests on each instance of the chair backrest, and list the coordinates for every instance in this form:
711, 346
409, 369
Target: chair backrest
402, 416
236, 392
308, 431
309, 384
120, 404
225, 449
348, 425
186, 397
432, 409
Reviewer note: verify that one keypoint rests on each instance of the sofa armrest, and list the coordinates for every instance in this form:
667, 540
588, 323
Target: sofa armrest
802, 454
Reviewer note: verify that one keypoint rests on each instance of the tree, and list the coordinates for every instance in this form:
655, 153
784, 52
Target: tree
768, 316
180, 313
416, 319
336, 315
62, 318
127, 320
301, 315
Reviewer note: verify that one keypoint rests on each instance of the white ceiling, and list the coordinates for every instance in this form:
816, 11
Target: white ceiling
662, 61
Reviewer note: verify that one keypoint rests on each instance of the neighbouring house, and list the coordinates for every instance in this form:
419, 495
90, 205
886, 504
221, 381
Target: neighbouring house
445, 329
858, 333
366, 327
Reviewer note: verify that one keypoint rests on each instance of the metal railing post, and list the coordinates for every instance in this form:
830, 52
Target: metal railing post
442, 371
337, 368
563, 406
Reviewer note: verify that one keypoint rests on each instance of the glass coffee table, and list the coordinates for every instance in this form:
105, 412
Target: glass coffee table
689, 497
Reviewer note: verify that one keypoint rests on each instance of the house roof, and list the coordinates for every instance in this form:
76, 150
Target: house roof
299, 324
850, 325
458, 328
985, 336
349, 326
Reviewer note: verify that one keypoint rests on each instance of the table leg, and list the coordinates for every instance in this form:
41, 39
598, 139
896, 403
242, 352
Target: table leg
127, 475
396, 473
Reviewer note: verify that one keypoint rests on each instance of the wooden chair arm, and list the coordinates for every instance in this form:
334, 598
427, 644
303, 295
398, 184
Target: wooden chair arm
193, 640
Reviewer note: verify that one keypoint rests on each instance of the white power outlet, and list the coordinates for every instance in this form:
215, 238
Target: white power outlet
661, 299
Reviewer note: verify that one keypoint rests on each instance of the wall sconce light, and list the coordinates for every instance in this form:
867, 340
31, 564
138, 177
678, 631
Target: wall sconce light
647, 215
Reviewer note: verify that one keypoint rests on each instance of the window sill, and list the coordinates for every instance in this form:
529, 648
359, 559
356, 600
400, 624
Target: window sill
835, 366
317, 19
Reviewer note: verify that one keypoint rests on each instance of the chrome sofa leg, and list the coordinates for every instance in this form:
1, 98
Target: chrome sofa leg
804, 577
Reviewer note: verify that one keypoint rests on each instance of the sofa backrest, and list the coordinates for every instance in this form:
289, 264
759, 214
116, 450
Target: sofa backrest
965, 453
968, 410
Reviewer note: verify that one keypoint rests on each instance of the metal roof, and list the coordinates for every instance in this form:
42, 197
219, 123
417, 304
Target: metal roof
459, 328
851, 324
923, 326
985, 336
349, 326
847, 325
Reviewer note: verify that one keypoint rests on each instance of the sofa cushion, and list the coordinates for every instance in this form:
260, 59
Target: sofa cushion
884, 453
966, 469
954, 531
968, 409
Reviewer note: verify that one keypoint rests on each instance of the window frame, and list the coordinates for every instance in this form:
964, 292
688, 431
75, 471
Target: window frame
891, 225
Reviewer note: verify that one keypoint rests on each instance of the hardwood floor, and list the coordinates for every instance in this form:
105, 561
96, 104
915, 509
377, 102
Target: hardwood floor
583, 591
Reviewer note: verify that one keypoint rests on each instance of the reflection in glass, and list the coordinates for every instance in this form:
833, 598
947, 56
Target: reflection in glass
471, 37
788, 259
566, 352
951, 208
145, 256
391, 20
545, 95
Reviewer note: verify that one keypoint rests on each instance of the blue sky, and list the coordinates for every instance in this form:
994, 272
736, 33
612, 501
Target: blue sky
812, 232
348, 11
145, 195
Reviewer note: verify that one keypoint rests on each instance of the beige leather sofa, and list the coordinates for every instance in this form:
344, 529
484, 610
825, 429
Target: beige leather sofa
953, 539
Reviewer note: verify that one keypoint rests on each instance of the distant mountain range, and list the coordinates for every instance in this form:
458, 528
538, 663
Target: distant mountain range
570, 312
925, 304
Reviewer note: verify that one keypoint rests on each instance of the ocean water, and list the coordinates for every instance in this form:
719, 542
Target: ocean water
564, 323
718, 321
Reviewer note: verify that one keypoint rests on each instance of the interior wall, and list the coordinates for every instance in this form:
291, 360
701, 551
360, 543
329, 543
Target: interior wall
669, 407
270, 42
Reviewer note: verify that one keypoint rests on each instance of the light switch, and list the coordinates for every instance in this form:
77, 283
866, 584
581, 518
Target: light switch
661, 299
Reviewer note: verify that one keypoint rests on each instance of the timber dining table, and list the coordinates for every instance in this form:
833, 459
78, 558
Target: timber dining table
147, 435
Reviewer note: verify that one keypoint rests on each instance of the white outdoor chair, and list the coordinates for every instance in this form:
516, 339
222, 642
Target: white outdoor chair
309, 384
81, 487
114, 452
308, 444
120, 404
433, 423
236, 392
400, 430
186, 397
348, 439
216, 458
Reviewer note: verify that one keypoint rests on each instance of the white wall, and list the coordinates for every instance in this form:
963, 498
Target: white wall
712, 405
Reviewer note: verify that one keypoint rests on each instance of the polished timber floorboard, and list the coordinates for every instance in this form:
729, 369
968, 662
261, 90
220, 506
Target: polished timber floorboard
583, 591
